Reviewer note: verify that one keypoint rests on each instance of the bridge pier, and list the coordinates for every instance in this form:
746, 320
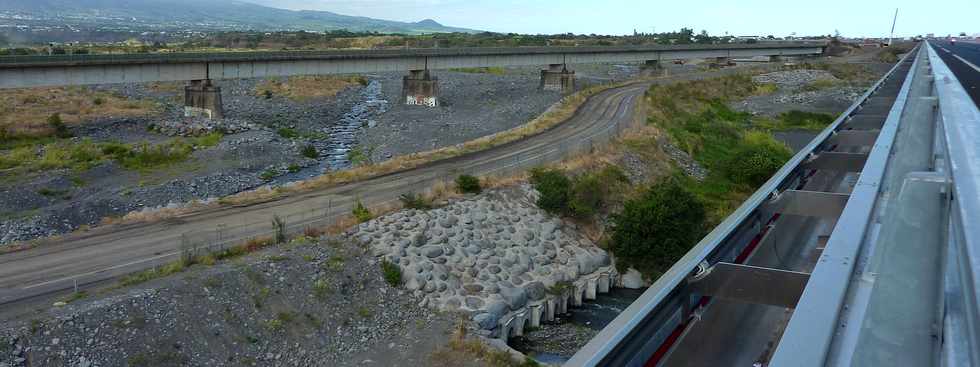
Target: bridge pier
419, 88
558, 78
203, 99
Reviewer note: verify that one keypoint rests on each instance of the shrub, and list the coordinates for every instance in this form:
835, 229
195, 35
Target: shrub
361, 212
309, 151
267, 94
293, 168
414, 201
590, 192
98, 101
756, 159
268, 174
467, 184
321, 289
654, 230
287, 133
59, 127
554, 188
392, 273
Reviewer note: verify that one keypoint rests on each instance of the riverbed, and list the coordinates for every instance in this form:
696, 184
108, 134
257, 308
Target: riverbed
555, 343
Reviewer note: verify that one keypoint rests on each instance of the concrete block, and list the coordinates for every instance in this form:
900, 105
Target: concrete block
419, 88
558, 78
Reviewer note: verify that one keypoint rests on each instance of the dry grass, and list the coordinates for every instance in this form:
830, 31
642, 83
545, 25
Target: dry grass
25, 112
463, 351
301, 88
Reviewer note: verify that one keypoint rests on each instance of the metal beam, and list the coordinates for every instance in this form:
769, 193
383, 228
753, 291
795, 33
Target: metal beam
837, 161
751, 284
853, 138
808, 203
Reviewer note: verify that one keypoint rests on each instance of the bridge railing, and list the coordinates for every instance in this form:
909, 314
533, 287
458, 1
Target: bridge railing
648, 326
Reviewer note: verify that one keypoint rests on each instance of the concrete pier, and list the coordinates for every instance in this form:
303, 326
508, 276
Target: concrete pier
558, 78
419, 88
203, 99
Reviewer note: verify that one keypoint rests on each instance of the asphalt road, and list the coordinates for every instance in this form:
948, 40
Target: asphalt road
963, 58
108, 252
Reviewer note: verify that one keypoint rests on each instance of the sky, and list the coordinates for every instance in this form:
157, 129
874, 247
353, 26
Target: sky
851, 18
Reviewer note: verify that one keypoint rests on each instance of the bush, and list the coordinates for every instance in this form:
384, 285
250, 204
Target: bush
287, 133
98, 101
59, 127
268, 174
656, 229
590, 192
309, 151
554, 188
467, 184
267, 94
293, 168
361, 212
392, 273
756, 159
414, 201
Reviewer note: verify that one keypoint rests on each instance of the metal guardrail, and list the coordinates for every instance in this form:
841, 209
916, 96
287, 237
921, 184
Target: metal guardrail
636, 334
12, 61
959, 121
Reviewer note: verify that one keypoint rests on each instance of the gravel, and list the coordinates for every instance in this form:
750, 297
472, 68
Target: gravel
321, 303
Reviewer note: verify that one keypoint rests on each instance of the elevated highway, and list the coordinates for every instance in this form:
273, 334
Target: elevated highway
863, 250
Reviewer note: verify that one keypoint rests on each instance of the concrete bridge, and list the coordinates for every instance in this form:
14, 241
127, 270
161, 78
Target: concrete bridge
420, 87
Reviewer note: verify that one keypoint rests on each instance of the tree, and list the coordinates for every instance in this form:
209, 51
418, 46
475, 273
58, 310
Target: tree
653, 231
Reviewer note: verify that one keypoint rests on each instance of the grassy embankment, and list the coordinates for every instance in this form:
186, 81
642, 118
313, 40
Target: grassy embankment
653, 225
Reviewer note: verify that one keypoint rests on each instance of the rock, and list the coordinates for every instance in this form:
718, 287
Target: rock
535, 291
514, 297
473, 288
474, 303
432, 251
487, 320
632, 279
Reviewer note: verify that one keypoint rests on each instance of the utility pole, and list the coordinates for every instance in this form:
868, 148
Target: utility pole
892, 35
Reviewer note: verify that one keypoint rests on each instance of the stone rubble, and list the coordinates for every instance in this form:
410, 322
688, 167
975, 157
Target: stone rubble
487, 256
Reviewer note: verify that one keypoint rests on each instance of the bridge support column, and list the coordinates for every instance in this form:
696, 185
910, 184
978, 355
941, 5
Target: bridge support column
419, 88
558, 78
203, 99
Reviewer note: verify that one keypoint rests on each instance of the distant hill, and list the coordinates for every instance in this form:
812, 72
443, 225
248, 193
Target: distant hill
209, 15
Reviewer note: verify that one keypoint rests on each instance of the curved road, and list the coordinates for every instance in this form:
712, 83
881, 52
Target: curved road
108, 252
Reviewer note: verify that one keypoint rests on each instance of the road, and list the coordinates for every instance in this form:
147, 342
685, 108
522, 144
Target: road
105, 253
963, 58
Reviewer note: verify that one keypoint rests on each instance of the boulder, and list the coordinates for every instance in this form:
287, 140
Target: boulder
632, 279
514, 297
535, 291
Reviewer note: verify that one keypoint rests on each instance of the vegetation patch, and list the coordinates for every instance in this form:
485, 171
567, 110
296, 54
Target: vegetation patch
361, 213
391, 272
37, 115
579, 197
467, 184
486, 70
300, 88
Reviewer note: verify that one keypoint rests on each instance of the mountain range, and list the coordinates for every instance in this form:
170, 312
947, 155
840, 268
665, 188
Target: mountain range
209, 15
